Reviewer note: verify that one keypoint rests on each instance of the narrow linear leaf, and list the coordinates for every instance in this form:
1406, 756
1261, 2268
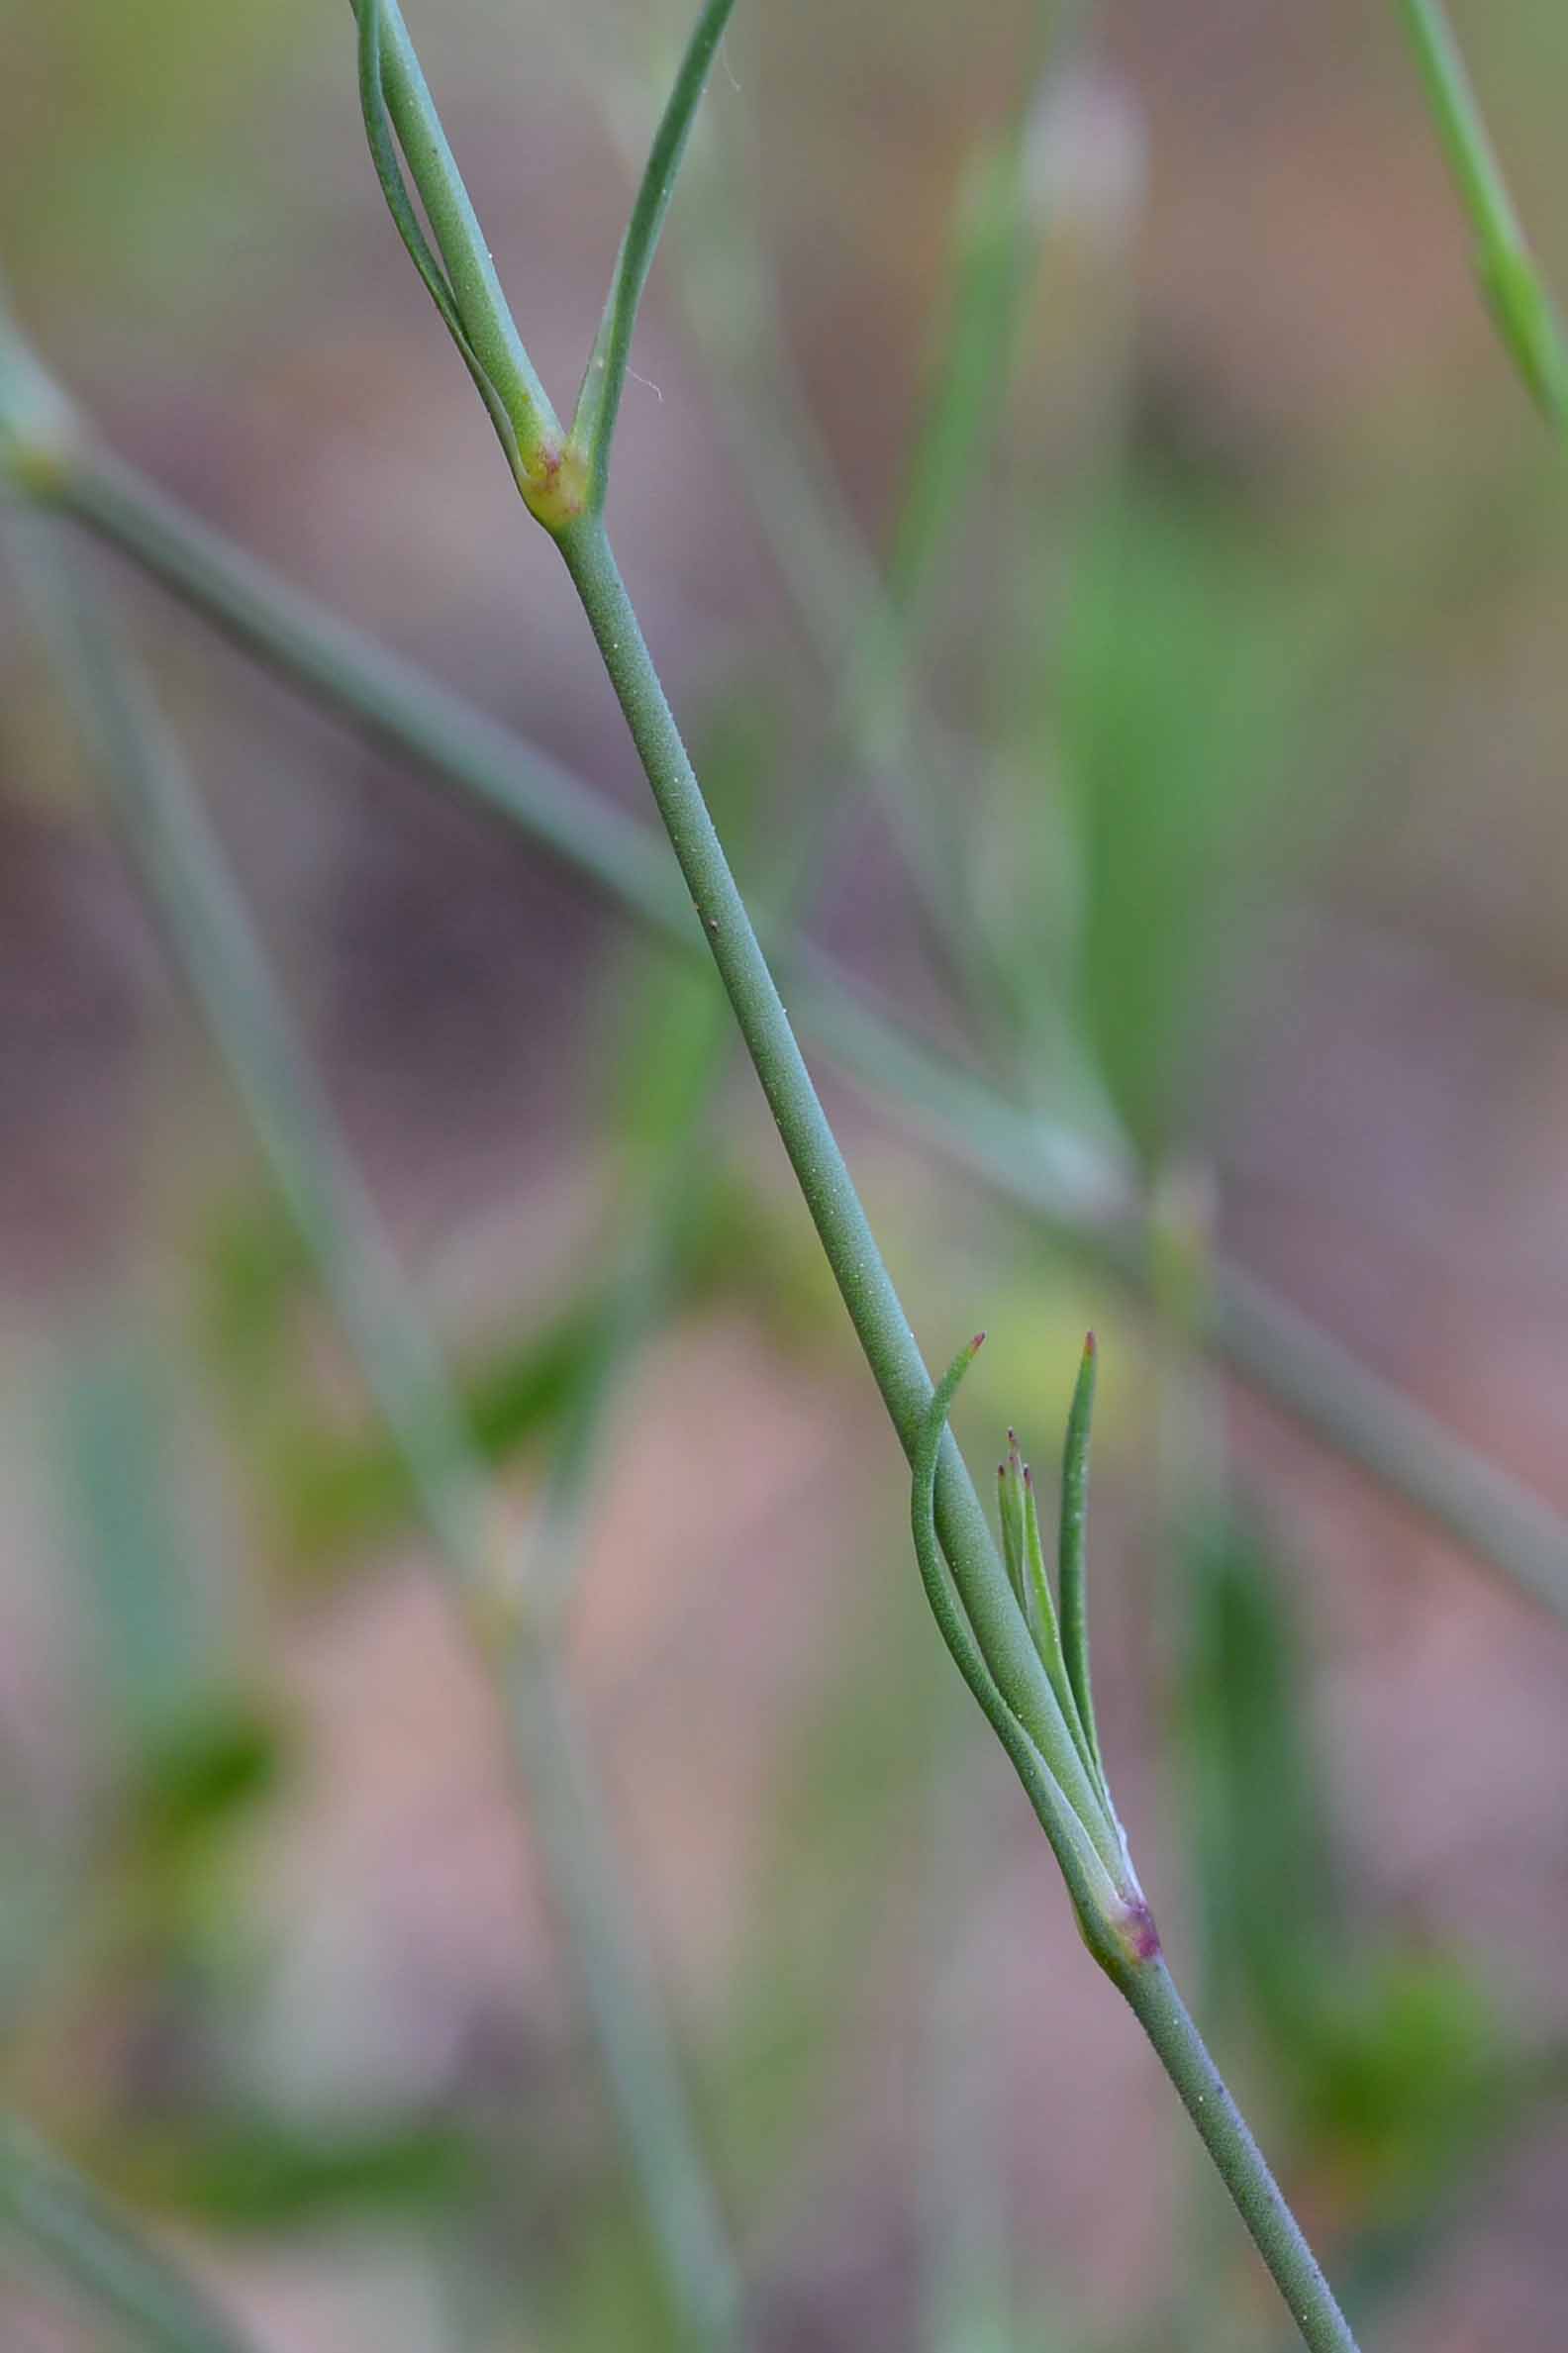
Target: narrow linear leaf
188, 884
1048, 1633
1523, 311
1089, 1882
946, 1607
383, 154
1528, 319
599, 401
1010, 1503
1073, 1546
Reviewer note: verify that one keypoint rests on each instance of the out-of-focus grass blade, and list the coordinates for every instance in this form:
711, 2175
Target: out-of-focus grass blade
1515, 2092
965, 2257
1522, 309
123, 1484
994, 245
69, 2225
251, 2173
339, 1493
1192, 696
195, 1751
1269, 1896
335, 1492
993, 253
182, 866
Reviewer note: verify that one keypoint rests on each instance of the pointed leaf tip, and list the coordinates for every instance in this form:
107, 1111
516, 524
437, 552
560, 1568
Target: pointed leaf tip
977, 1343
1072, 1546
1091, 1347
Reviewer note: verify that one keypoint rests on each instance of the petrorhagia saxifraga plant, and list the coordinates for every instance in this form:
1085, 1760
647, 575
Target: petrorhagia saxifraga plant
1029, 1670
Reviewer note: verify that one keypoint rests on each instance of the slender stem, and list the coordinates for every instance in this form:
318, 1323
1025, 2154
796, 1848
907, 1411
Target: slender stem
182, 870
915, 1408
1151, 1992
1521, 308
831, 1197
1301, 1368
51, 2207
835, 1209
1466, 143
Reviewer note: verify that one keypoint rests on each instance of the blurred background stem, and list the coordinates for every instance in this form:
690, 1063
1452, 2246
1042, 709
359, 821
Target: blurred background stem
180, 866
866, 622
47, 2205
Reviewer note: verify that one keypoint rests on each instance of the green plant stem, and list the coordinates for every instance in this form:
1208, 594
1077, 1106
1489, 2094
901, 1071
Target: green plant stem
1150, 1992
834, 1206
48, 2206
182, 870
895, 1360
1271, 1345
1469, 149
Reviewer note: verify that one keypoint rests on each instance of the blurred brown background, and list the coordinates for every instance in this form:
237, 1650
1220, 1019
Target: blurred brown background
1239, 663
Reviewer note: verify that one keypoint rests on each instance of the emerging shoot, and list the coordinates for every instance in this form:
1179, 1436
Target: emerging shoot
1085, 1834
